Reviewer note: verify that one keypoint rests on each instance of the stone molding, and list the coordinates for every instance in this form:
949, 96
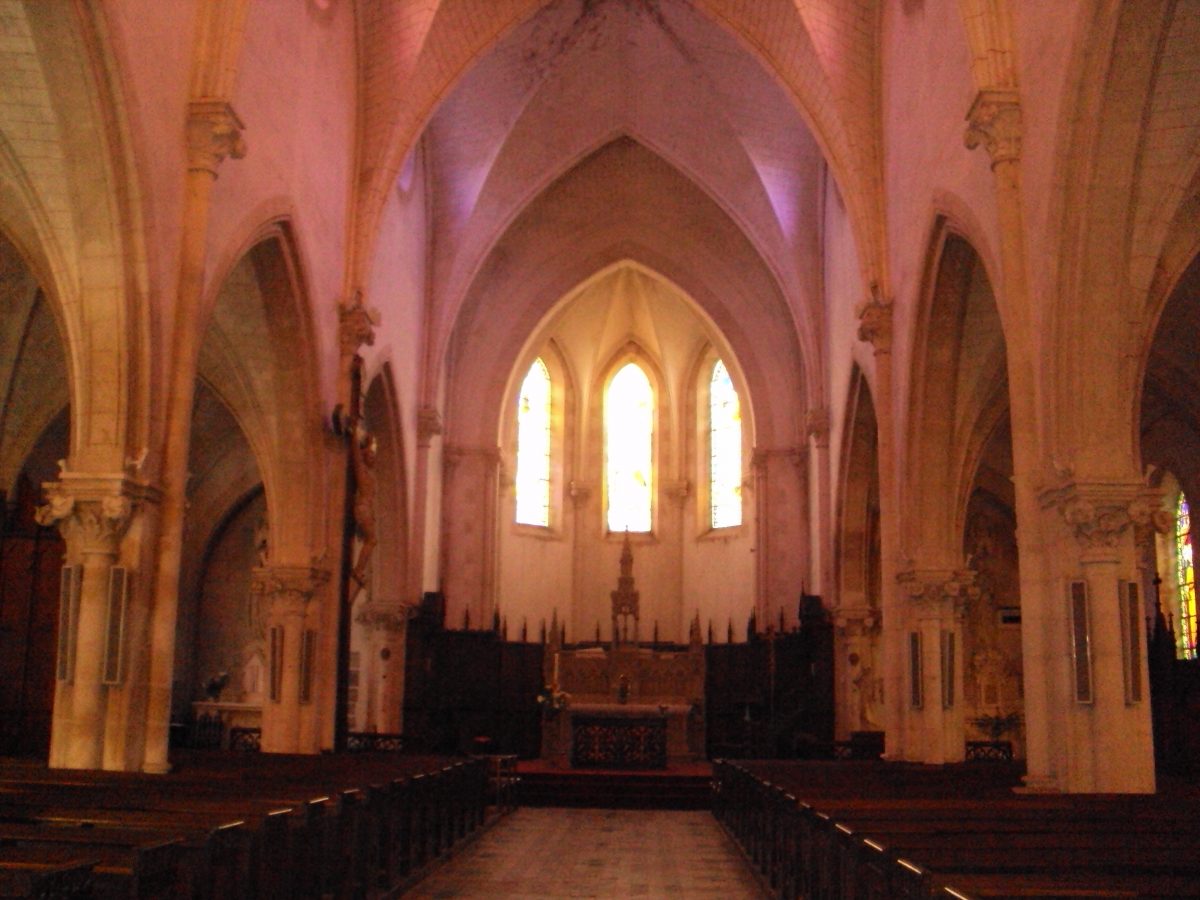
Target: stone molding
288, 589
389, 619
816, 422
214, 132
939, 592
761, 458
1099, 513
429, 425
678, 490
875, 322
994, 121
356, 326
858, 622
580, 492
93, 510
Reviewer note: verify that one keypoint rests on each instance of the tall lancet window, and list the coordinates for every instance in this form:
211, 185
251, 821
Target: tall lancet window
629, 449
1185, 625
533, 447
725, 449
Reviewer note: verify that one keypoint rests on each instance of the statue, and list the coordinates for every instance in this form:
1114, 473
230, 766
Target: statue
362, 455
261, 535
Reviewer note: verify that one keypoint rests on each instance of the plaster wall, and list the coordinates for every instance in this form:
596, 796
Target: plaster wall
398, 291
927, 170
300, 135
844, 292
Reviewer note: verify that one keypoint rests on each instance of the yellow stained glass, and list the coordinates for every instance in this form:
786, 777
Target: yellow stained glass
1185, 627
725, 443
629, 449
533, 447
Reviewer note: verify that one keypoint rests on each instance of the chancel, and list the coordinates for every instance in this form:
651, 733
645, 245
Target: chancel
591, 402
624, 705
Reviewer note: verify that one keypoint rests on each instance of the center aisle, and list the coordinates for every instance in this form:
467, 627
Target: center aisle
597, 853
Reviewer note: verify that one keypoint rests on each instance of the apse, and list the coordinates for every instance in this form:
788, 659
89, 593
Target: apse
627, 411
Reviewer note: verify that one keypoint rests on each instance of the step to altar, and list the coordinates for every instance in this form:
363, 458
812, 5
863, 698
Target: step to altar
683, 787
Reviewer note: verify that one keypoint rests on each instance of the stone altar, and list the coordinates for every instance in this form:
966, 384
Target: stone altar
624, 706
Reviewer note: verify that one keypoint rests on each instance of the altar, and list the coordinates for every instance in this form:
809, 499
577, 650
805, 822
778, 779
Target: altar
623, 706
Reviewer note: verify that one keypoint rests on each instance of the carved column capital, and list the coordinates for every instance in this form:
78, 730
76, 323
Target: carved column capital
429, 425
92, 512
356, 325
678, 491
580, 492
287, 589
762, 458
389, 619
936, 593
816, 422
875, 322
214, 132
994, 121
858, 622
1100, 513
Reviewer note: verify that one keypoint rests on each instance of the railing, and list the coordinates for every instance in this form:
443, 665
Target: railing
800, 852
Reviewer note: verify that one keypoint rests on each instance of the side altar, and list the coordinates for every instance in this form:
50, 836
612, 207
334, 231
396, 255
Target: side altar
624, 706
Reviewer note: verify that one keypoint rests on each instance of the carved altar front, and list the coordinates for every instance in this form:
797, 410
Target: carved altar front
631, 708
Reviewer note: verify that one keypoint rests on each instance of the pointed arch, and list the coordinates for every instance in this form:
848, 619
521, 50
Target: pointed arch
259, 351
959, 337
391, 567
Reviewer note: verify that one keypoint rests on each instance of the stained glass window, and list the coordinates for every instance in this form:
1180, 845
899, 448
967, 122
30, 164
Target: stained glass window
629, 449
533, 447
725, 444
1185, 627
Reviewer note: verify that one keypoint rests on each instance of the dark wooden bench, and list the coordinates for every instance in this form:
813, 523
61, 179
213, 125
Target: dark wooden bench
306, 826
45, 880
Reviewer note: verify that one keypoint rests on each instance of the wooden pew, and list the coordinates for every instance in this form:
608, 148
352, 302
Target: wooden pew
309, 826
147, 871
45, 880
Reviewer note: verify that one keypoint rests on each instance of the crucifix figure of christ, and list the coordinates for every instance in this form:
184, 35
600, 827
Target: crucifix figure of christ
363, 451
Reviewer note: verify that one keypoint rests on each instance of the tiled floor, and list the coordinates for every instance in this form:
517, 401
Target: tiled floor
536, 853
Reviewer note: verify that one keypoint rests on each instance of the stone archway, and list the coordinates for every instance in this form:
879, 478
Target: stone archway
257, 355
858, 670
379, 617
960, 391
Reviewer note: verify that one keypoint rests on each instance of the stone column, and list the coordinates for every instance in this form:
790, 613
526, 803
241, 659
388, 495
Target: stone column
584, 525
779, 502
429, 426
471, 493
382, 669
293, 658
994, 122
875, 327
1102, 735
93, 513
214, 132
859, 684
936, 601
817, 425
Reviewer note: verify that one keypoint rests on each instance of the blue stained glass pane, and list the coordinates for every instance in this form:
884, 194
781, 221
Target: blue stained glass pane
1185, 627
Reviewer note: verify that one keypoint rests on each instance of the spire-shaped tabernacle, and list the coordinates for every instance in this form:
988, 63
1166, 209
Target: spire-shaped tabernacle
625, 599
